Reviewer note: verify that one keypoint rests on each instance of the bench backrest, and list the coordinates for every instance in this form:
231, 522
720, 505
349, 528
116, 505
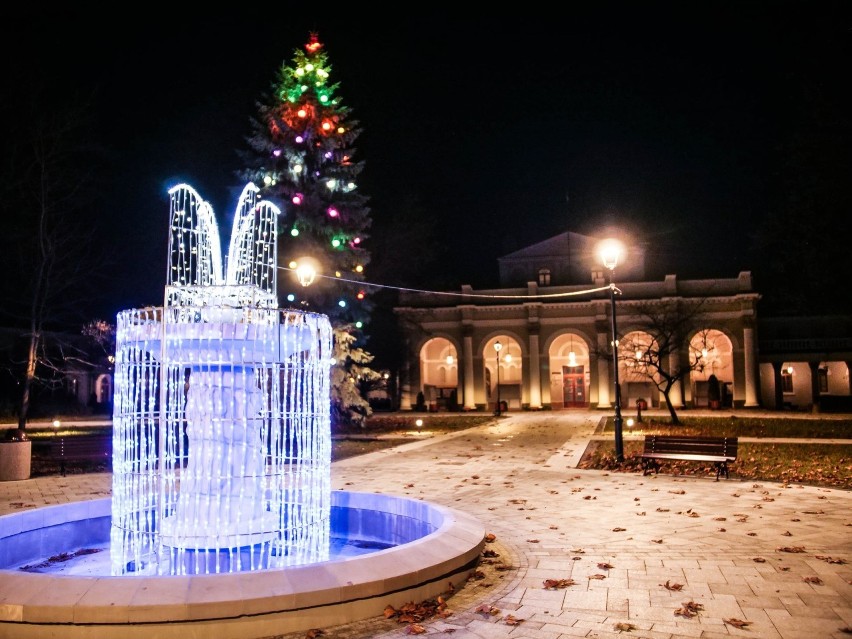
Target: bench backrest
718, 446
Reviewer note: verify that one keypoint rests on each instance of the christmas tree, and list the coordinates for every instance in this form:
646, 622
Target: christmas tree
301, 155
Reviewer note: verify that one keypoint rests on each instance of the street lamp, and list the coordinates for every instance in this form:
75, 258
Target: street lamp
497, 347
610, 252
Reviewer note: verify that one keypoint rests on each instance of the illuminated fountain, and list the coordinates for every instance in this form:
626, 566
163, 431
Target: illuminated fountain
233, 473
222, 516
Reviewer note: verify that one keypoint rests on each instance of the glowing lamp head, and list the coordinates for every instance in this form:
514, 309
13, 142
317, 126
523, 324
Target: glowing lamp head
498, 346
611, 252
449, 360
306, 270
294, 232
332, 212
297, 199
57, 423
419, 423
302, 113
361, 295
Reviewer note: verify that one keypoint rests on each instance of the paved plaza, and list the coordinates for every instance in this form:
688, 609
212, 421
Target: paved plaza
580, 553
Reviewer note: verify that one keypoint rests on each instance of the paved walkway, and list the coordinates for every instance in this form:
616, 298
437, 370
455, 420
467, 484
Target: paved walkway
581, 553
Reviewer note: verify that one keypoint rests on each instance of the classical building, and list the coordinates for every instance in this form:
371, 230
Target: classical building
543, 339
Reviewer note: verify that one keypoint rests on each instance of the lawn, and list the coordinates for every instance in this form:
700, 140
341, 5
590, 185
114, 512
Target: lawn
806, 462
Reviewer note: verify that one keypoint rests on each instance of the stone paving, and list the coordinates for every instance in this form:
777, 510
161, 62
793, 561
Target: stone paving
580, 553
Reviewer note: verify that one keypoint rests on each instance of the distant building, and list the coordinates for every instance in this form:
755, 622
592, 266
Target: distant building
552, 318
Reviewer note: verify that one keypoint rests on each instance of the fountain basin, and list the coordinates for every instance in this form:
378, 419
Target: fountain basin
434, 547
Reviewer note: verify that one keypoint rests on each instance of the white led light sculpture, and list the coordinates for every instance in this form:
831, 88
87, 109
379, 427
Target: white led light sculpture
222, 437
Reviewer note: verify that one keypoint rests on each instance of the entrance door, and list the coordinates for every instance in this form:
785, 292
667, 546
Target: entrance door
573, 387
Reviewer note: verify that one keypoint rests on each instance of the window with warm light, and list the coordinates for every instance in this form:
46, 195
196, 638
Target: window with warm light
787, 379
544, 277
823, 379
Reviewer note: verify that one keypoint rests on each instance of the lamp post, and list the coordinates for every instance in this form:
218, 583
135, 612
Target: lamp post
497, 347
610, 252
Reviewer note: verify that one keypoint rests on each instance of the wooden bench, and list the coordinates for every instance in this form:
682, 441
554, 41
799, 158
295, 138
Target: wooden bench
75, 448
719, 450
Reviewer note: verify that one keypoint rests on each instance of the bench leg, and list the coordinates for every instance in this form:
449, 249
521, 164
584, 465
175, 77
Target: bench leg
721, 467
650, 464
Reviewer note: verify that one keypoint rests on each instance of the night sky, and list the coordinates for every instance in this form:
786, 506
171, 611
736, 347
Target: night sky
663, 119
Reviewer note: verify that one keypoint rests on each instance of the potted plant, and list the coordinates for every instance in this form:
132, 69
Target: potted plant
15, 455
714, 392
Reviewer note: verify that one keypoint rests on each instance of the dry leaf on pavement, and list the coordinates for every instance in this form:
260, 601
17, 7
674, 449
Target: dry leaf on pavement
670, 586
737, 623
689, 609
553, 584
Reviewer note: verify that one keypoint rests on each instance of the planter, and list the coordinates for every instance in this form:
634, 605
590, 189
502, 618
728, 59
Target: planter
15, 460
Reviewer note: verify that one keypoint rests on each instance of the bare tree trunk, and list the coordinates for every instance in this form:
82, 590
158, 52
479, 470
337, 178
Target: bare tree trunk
672, 411
29, 377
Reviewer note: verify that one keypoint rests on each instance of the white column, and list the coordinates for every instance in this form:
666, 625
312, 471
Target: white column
535, 374
467, 355
604, 394
748, 357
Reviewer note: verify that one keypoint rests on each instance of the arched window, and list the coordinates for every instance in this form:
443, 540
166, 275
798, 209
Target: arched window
544, 277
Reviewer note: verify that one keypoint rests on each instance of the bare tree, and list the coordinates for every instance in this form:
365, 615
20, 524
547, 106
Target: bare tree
48, 253
653, 349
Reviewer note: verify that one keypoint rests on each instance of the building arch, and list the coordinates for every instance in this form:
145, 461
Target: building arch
439, 373
711, 353
504, 367
569, 356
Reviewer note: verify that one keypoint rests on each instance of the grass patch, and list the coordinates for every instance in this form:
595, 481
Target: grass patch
733, 426
827, 465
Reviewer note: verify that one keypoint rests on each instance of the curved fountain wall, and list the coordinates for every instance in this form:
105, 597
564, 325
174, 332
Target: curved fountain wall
435, 547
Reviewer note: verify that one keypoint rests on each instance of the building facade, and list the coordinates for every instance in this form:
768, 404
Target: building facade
553, 336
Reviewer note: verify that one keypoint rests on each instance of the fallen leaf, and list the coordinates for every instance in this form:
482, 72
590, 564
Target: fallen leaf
415, 629
670, 586
511, 620
737, 623
617, 529
390, 611
791, 549
490, 537
313, 633
596, 577
830, 560
657, 541
621, 625
605, 566
812, 580
759, 560
532, 541
786, 533
689, 609
553, 584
